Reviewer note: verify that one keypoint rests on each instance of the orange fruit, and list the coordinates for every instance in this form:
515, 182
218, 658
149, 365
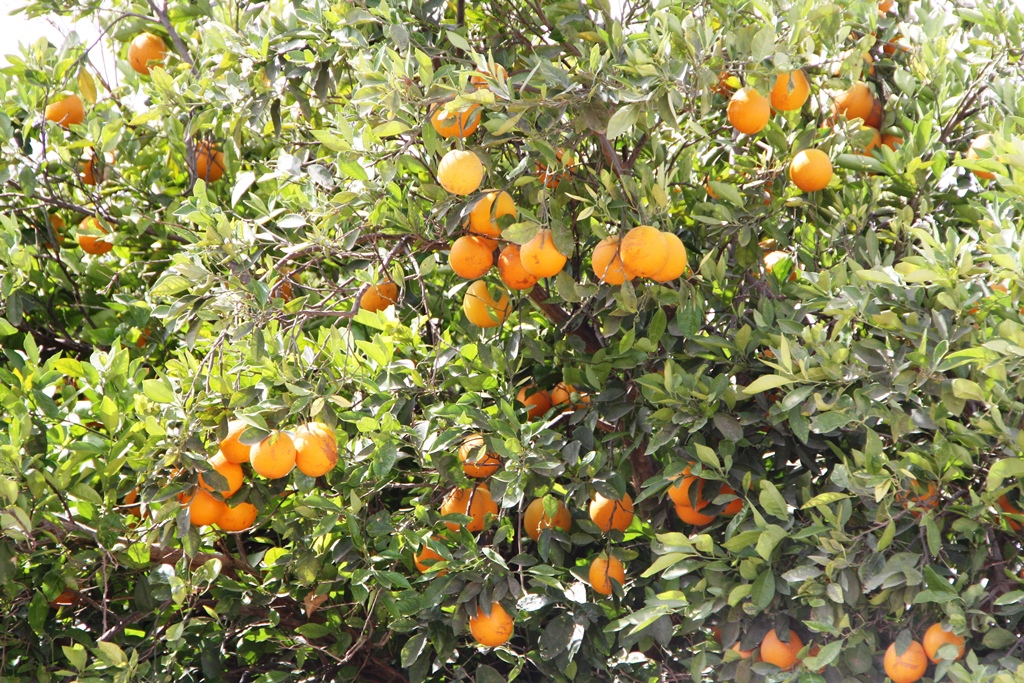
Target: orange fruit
89, 241
1008, 507
921, 496
725, 83
540, 257
675, 264
203, 508
606, 262
492, 629
870, 68
378, 297
984, 144
229, 470
562, 393
471, 256
455, 124
477, 462
233, 449
144, 49
602, 570
91, 174
856, 102
876, 140
874, 119
67, 598
907, 667
748, 111
884, 6
209, 161
473, 502
479, 81
935, 637
552, 179
692, 516
892, 141
644, 251
511, 270
274, 457
130, 499
744, 654
733, 507
57, 224
460, 172
772, 259
537, 403
483, 218
67, 111
427, 554
536, 520
482, 309
316, 449
782, 655
679, 491
790, 91
609, 514
811, 170
238, 518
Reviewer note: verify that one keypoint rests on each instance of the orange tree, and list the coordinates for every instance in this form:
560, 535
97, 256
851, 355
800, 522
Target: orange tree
305, 305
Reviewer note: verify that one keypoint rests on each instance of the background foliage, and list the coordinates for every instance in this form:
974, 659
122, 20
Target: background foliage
831, 402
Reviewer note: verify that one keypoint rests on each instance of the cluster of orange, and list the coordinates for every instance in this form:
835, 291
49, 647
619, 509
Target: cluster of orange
314, 451
689, 505
911, 665
538, 403
144, 50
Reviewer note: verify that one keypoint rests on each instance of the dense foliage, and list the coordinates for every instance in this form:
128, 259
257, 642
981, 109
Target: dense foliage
864, 395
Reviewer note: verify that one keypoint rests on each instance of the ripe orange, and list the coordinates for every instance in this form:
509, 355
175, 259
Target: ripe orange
130, 499
773, 258
790, 91
782, 655
876, 140
607, 263
981, 143
874, 119
316, 449
675, 264
609, 514
90, 236
455, 124
856, 102
1008, 507
67, 111
482, 309
67, 598
427, 554
209, 161
644, 251
679, 491
923, 497
692, 516
238, 518
744, 654
748, 111
892, 141
540, 257
870, 68
884, 6
935, 637
57, 224
460, 172
494, 629
562, 393
602, 570
227, 469
477, 461
908, 667
274, 457
726, 83
537, 403
144, 49
552, 179
473, 502
511, 270
733, 507
479, 80
96, 170
811, 170
483, 218
203, 508
471, 256
233, 449
378, 297
536, 520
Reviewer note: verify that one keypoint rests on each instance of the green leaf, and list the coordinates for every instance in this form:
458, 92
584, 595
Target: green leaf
75, 655
825, 499
765, 383
768, 540
158, 390
966, 389
772, 501
1004, 469
763, 591
38, 610
622, 120
6, 328
663, 563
